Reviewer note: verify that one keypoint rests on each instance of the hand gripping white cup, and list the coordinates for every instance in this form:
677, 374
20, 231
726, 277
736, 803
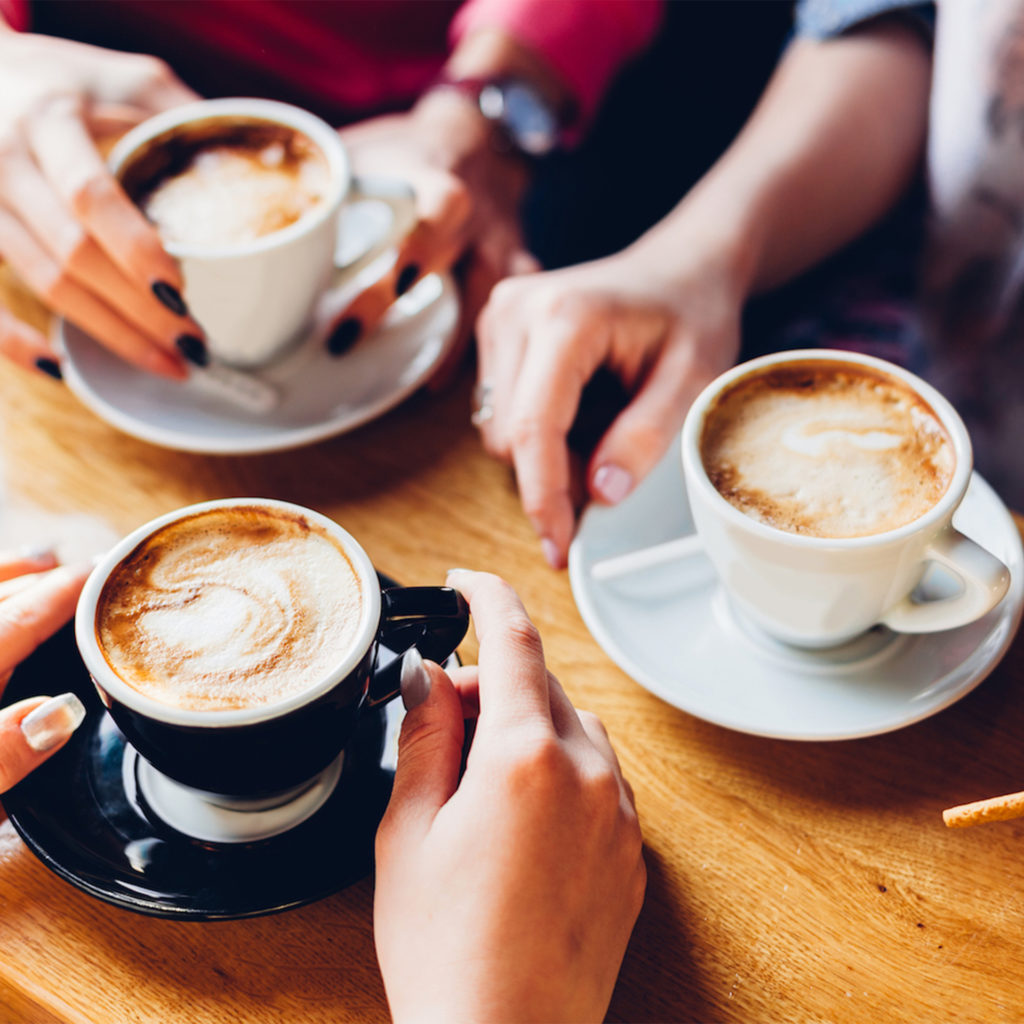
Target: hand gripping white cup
247, 195
823, 485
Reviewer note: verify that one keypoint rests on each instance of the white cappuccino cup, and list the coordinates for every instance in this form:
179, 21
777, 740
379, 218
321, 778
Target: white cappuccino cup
253, 294
823, 485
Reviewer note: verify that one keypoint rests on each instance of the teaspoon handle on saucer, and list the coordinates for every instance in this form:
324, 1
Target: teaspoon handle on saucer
243, 389
633, 561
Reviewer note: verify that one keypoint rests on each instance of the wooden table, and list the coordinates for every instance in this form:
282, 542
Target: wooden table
789, 881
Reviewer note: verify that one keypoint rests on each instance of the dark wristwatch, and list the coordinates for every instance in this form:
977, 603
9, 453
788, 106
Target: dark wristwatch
523, 118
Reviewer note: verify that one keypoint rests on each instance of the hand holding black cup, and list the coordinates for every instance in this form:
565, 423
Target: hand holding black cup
235, 643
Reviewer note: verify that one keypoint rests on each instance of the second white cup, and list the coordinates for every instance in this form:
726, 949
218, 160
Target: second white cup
820, 591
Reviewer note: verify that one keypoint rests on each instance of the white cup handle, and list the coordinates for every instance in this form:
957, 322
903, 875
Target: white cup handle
389, 192
984, 578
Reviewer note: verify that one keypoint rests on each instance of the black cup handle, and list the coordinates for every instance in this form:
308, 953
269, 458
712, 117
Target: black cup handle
432, 619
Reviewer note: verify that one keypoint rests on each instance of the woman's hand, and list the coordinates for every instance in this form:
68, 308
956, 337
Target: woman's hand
812, 168
508, 893
467, 206
665, 327
36, 598
66, 226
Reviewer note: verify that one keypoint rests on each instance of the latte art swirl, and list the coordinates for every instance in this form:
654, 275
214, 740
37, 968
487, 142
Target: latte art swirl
232, 608
226, 181
826, 449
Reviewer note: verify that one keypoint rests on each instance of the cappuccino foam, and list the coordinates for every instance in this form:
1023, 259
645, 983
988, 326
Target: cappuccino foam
826, 449
232, 185
238, 607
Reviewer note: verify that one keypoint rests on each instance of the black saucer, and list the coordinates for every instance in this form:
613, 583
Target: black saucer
75, 815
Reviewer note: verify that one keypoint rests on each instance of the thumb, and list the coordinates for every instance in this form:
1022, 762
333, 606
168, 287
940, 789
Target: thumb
32, 730
523, 262
163, 91
430, 745
109, 120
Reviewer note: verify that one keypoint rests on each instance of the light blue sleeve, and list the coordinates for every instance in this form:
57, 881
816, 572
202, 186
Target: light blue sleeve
821, 19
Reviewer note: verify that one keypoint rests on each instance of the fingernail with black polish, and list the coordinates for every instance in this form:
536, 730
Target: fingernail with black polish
407, 278
170, 297
50, 367
344, 336
193, 348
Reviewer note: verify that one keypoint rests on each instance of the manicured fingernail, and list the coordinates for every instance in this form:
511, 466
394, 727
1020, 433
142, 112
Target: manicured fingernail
407, 278
415, 679
193, 348
344, 336
552, 555
38, 553
52, 722
50, 367
612, 483
170, 297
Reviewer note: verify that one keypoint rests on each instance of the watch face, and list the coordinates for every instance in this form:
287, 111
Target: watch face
523, 114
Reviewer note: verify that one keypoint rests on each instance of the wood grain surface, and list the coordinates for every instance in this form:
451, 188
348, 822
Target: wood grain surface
789, 882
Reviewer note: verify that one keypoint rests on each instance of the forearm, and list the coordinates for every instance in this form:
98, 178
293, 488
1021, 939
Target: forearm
833, 143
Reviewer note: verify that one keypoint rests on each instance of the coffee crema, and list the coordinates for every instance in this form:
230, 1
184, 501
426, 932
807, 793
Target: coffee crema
236, 607
827, 449
226, 181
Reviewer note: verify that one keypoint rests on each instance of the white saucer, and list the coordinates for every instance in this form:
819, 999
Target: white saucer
320, 395
672, 629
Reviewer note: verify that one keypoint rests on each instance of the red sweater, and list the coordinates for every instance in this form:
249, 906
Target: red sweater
350, 58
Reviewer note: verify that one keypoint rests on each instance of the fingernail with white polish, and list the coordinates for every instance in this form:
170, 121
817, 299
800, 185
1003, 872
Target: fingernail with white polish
52, 722
38, 553
452, 571
612, 483
415, 679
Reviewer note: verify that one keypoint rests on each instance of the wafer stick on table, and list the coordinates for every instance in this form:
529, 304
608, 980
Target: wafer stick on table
997, 808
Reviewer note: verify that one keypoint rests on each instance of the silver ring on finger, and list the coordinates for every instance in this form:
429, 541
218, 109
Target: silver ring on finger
483, 410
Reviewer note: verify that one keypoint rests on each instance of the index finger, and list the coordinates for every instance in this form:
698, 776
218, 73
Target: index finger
30, 616
65, 151
561, 356
513, 679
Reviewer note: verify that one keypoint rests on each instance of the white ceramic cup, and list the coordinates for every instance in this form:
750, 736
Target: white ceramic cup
255, 300
818, 591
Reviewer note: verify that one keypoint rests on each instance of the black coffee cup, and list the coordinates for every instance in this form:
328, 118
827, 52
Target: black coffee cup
252, 753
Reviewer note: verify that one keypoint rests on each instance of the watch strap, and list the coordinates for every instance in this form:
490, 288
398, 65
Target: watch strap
478, 88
